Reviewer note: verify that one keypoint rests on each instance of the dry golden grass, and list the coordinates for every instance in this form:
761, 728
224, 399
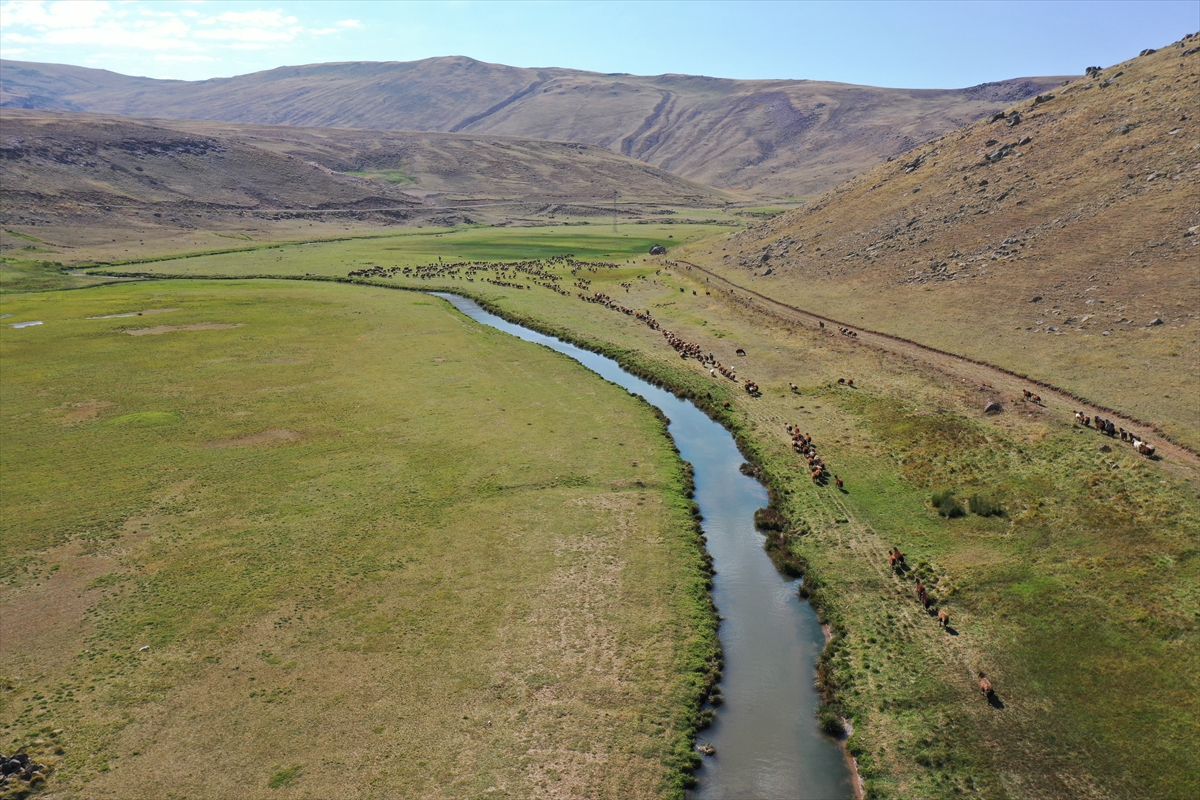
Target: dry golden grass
1051, 261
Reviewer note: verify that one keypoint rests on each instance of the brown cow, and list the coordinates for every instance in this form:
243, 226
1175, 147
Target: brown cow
838, 481
985, 686
944, 618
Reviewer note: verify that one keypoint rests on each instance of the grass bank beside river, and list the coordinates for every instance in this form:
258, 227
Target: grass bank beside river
1077, 600
326, 540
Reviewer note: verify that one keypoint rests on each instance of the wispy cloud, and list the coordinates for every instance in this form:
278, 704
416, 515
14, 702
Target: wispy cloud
178, 34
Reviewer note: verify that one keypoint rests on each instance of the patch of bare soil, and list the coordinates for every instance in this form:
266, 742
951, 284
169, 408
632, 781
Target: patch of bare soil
199, 326
79, 412
43, 622
266, 437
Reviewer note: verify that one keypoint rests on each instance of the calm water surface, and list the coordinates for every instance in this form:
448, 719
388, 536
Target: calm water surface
768, 744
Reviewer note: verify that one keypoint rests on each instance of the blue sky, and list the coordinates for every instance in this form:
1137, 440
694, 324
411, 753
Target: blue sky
908, 44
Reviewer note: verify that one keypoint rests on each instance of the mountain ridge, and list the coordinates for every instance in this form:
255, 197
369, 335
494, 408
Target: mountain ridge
771, 137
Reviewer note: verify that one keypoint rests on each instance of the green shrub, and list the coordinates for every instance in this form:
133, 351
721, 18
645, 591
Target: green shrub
984, 506
831, 723
769, 519
946, 505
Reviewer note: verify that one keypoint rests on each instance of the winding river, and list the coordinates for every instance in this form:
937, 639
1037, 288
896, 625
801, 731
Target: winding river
766, 736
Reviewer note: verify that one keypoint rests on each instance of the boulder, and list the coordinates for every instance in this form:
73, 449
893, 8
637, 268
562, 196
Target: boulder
658, 250
995, 117
1148, 51
1013, 119
992, 407
1104, 448
1153, 322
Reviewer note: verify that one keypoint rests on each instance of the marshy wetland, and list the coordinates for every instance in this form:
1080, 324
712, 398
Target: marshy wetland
469, 564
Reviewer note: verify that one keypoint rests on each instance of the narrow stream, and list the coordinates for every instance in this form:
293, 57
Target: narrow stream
766, 736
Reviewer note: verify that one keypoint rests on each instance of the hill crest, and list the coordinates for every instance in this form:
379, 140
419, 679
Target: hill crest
769, 137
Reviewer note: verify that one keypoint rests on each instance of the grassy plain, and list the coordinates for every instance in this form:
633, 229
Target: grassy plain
1079, 600
412, 247
318, 540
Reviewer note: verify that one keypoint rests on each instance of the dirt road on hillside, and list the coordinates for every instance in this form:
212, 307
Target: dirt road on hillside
1007, 386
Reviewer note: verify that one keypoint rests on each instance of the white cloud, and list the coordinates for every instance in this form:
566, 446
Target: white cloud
185, 33
62, 14
173, 57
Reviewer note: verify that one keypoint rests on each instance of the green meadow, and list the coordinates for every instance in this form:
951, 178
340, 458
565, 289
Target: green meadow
262, 462
595, 242
267, 539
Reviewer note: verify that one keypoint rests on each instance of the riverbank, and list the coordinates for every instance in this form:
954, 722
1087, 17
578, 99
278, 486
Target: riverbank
275, 541
1081, 581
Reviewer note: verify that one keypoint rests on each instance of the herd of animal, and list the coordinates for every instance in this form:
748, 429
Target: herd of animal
929, 606
680, 345
509, 274
802, 443
1109, 428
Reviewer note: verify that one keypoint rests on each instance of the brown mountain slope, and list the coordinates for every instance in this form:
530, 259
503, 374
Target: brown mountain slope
80, 179
1062, 246
772, 137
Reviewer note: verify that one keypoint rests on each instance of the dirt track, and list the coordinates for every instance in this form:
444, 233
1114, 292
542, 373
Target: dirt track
1008, 386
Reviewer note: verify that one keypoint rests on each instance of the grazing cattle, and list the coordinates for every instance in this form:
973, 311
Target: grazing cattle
896, 559
985, 686
1037, 399
920, 588
794, 387
926, 601
1028, 394
838, 481
850, 381
1143, 448
841, 381
740, 351
943, 618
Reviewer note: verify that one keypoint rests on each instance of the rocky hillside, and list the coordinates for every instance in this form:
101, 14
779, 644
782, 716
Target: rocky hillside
1058, 238
776, 137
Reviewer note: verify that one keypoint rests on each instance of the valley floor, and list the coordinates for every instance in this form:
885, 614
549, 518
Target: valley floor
1078, 600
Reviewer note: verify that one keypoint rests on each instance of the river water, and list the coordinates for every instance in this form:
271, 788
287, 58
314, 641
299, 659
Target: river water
766, 736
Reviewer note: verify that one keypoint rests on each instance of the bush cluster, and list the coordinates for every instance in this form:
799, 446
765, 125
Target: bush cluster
984, 506
946, 505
